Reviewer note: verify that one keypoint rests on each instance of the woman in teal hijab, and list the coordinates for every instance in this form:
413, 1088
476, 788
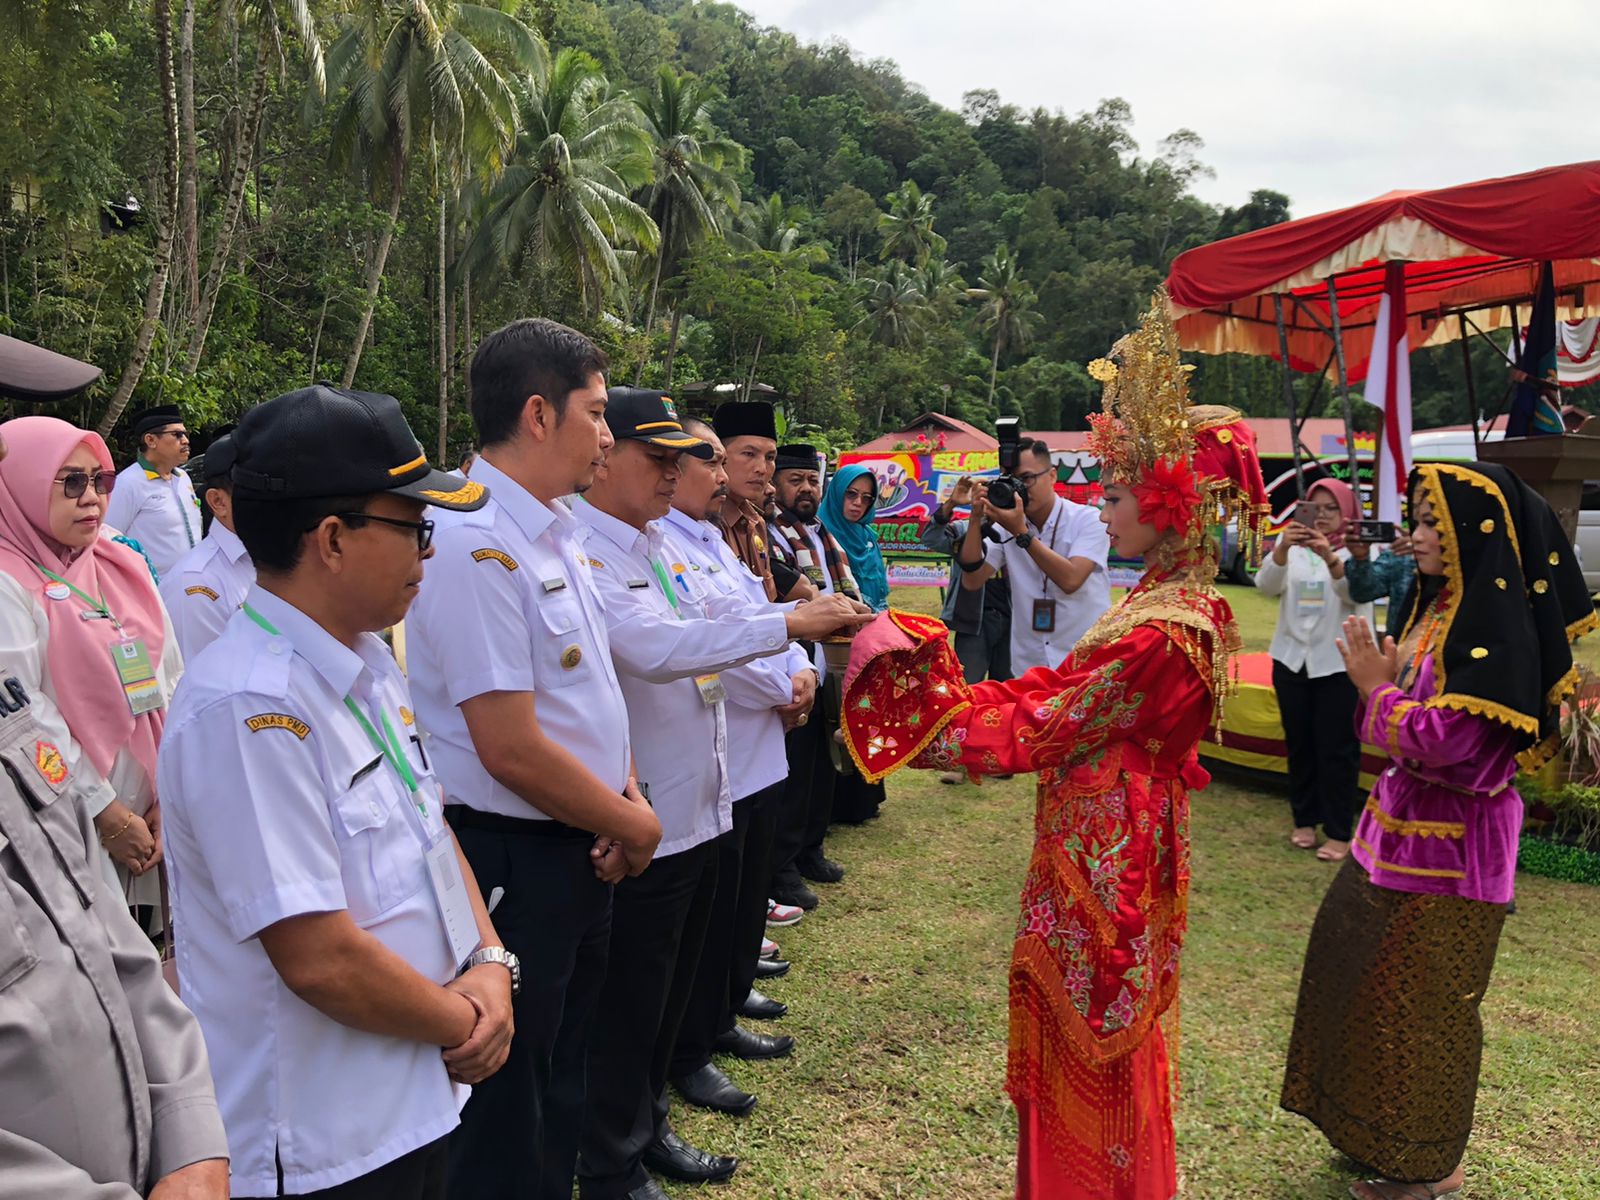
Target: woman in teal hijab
847, 510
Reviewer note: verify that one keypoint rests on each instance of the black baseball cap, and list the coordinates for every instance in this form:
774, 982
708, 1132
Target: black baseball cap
642, 415
323, 441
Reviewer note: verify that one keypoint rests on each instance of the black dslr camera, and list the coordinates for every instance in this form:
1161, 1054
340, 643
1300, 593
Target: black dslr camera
1003, 492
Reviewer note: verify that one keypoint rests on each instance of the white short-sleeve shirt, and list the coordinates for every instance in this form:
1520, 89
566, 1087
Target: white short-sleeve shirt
275, 804
162, 515
660, 642
1072, 531
508, 604
206, 587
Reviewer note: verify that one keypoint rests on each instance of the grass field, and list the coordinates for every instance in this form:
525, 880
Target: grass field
898, 1002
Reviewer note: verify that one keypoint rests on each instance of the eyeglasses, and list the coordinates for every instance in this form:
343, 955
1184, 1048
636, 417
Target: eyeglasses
423, 529
181, 434
1026, 478
76, 483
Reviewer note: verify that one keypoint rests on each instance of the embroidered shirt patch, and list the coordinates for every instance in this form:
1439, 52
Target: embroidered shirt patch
262, 721
50, 763
197, 590
499, 556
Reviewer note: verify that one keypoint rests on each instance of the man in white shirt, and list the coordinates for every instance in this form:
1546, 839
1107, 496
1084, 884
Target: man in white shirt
329, 936
670, 651
154, 501
1055, 561
764, 697
511, 666
209, 583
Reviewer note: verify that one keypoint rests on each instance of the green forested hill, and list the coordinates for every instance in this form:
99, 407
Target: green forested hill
709, 198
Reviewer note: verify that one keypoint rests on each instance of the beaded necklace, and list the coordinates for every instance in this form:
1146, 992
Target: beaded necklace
1427, 630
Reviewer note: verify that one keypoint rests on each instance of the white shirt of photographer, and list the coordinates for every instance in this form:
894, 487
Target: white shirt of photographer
658, 646
1072, 531
1312, 608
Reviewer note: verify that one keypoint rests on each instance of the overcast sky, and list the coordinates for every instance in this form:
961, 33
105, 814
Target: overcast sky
1330, 103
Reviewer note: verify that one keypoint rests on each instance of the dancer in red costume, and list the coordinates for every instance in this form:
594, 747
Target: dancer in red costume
1112, 733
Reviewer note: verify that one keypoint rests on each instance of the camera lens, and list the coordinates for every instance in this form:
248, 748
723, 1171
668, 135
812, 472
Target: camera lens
1002, 493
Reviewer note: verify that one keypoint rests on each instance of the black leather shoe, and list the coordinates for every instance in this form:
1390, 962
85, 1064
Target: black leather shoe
762, 1008
789, 888
710, 1088
673, 1157
753, 1047
818, 868
771, 968
649, 1190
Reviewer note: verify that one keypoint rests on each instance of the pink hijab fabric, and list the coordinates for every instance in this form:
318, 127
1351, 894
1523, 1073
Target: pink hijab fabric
87, 688
1344, 497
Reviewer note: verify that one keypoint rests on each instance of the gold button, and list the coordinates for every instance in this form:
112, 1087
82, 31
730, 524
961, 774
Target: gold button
571, 657
1224, 436
1540, 586
1501, 584
1488, 525
1555, 559
1479, 652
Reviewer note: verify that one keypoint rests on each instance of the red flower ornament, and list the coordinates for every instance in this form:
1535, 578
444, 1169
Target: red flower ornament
1169, 495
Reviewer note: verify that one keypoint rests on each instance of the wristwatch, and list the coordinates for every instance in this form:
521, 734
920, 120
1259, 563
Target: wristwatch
1023, 540
497, 954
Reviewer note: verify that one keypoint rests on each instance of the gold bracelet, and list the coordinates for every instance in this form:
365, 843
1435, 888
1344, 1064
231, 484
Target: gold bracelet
106, 841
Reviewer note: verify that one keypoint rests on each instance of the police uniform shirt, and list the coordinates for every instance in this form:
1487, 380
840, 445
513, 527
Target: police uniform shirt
680, 743
756, 755
1072, 531
508, 605
107, 1087
162, 515
275, 804
206, 587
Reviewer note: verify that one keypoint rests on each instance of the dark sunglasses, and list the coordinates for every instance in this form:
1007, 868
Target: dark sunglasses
76, 483
182, 434
423, 529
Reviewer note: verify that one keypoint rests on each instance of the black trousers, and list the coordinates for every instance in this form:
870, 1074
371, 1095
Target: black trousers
1319, 717
658, 927
987, 653
738, 924
518, 1136
807, 795
415, 1176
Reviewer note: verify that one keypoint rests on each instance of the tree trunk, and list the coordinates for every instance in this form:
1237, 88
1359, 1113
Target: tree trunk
380, 258
466, 321
672, 345
243, 159
755, 358
444, 340
994, 368
655, 286
188, 172
316, 339
166, 220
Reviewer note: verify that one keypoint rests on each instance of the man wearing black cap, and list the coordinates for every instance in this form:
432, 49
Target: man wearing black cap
670, 651
511, 664
207, 585
797, 852
334, 946
154, 501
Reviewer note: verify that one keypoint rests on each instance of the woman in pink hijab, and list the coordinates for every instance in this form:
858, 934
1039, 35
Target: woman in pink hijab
83, 629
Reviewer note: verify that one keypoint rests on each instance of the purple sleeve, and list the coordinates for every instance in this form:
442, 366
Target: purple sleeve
1410, 729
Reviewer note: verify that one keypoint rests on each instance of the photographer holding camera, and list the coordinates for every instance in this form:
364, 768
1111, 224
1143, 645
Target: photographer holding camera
1054, 555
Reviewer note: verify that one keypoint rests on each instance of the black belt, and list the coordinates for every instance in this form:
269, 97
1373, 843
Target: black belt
460, 816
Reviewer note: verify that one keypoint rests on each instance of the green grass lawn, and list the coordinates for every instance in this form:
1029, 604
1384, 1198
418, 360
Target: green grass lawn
898, 998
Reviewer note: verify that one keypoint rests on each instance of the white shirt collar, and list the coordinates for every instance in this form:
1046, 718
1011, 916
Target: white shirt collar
339, 665
645, 542
531, 515
227, 541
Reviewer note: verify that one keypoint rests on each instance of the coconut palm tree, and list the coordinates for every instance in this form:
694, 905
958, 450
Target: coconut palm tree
942, 287
692, 169
895, 307
565, 195
1007, 304
423, 74
908, 226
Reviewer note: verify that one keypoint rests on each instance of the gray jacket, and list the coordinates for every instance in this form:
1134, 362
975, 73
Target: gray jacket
107, 1087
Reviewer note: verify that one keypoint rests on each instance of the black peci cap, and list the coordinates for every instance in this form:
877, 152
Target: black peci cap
641, 415
797, 456
745, 418
152, 419
322, 441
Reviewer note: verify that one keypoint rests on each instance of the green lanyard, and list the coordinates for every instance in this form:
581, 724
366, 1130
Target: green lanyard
666, 586
98, 606
388, 745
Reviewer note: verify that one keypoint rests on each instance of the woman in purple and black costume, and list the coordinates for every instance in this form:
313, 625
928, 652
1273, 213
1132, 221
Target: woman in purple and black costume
1387, 1039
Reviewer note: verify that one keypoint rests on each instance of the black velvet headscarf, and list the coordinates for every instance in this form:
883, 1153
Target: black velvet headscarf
1515, 599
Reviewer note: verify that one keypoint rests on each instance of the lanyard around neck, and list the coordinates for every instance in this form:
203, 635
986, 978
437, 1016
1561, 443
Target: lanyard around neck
98, 607
388, 745
666, 587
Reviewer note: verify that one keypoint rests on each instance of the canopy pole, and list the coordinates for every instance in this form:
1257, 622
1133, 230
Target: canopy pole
1344, 392
1472, 391
1288, 394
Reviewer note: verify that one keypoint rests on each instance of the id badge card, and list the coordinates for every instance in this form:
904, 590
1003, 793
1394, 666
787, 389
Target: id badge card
140, 686
450, 891
1310, 597
712, 693
1044, 616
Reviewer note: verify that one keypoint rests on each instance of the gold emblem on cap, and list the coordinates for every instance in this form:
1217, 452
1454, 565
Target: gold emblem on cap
465, 494
571, 657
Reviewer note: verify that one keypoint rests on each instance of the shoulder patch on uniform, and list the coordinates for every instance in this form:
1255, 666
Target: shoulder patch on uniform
277, 720
50, 763
197, 590
597, 564
499, 556
406, 717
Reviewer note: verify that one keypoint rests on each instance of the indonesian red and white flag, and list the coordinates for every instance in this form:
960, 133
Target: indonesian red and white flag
1389, 390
